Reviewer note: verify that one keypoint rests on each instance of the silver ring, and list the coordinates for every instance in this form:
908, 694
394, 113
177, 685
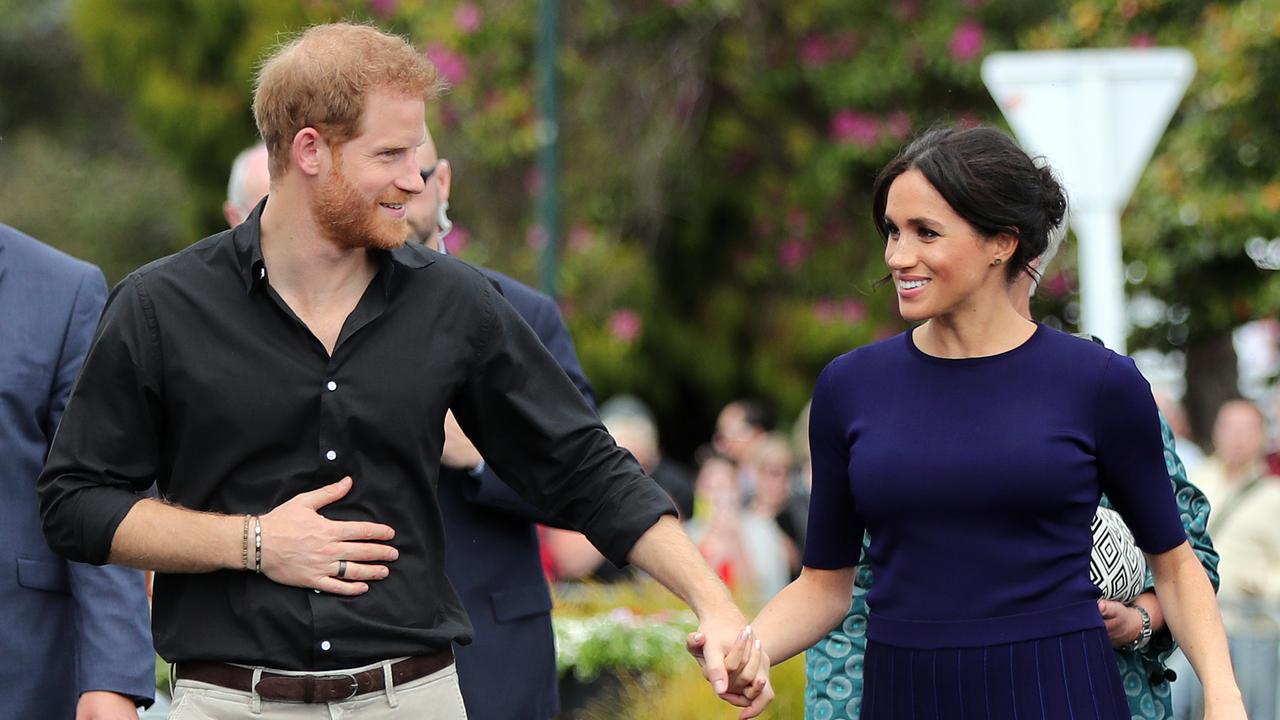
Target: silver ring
342, 568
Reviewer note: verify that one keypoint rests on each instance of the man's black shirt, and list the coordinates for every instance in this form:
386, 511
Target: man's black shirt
202, 380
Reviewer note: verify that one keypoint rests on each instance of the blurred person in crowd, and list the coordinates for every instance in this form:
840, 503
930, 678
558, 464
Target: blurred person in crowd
249, 182
740, 426
77, 640
1273, 447
632, 425
834, 665
776, 497
285, 384
1246, 503
748, 550
981, 542
1176, 416
1245, 498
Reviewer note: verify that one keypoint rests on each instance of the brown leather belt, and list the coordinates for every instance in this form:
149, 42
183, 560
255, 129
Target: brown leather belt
313, 688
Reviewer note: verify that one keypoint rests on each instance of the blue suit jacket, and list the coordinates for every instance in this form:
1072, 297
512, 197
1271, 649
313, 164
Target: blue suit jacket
68, 627
509, 669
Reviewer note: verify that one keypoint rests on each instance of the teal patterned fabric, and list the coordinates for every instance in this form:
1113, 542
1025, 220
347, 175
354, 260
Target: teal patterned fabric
833, 667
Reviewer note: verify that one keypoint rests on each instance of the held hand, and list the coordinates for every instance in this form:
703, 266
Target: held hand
747, 669
103, 705
302, 548
1124, 624
459, 453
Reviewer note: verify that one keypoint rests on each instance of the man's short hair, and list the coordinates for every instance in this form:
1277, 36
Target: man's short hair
320, 79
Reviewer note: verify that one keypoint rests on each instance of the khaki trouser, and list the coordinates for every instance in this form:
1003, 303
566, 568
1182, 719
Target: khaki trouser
433, 697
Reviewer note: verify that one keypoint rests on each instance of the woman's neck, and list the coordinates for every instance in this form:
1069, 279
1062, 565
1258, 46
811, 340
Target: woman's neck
974, 332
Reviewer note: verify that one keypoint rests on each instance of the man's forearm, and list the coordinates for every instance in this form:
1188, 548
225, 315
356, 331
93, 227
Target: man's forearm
665, 552
166, 538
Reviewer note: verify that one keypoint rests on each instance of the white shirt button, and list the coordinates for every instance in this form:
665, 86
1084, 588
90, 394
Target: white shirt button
317, 590
332, 386
331, 455
325, 645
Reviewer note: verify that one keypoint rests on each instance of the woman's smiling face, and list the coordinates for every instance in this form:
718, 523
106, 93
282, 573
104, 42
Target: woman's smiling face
938, 261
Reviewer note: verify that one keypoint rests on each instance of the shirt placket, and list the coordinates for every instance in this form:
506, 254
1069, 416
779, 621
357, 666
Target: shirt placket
333, 455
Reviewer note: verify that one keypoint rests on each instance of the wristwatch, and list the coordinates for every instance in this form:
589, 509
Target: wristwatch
1144, 637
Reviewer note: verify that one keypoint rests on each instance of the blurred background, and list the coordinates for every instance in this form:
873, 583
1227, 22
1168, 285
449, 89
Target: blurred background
715, 158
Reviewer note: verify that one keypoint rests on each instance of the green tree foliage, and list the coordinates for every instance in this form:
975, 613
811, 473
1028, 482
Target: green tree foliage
717, 155
76, 173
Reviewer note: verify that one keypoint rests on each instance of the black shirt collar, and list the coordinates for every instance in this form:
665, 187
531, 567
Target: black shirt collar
247, 238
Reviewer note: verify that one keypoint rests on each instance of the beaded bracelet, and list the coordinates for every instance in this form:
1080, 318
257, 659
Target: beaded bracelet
257, 544
244, 547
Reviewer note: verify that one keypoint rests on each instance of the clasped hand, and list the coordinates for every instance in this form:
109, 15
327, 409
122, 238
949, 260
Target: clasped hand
302, 548
739, 676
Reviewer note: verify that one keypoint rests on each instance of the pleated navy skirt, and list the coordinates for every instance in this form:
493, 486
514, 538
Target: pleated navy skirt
1064, 677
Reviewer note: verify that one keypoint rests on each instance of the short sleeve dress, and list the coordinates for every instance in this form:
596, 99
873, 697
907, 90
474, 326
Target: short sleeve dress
977, 479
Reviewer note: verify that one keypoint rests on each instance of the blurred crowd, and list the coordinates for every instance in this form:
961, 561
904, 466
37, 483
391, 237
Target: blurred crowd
745, 503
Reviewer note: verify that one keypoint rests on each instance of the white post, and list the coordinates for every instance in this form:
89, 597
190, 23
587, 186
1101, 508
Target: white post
1101, 275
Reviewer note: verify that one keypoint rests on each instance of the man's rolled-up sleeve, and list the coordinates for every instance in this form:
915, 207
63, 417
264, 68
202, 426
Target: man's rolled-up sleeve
105, 452
542, 438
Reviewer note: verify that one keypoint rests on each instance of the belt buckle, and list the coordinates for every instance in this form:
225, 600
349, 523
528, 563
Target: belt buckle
355, 684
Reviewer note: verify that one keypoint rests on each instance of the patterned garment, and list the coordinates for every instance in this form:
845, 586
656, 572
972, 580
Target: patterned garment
833, 667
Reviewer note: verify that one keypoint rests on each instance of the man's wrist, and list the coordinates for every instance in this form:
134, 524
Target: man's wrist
1144, 631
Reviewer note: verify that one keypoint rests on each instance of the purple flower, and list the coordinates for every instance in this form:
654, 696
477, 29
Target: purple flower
452, 65
625, 325
815, 51
792, 253
848, 126
383, 7
853, 311
898, 124
967, 41
457, 240
468, 17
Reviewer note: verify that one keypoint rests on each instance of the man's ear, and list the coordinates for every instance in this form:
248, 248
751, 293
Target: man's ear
444, 176
309, 151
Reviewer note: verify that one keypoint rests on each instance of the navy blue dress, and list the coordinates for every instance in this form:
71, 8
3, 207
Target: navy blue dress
977, 479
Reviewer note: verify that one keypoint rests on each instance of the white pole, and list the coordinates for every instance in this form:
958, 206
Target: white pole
1101, 275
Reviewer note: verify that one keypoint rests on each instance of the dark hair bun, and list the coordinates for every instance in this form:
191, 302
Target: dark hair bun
1055, 198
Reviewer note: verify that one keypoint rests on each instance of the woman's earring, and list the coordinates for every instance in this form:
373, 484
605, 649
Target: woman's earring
997, 261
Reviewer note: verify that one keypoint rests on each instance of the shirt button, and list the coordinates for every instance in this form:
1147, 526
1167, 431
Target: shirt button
332, 386
325, 645
331, 455
317, 590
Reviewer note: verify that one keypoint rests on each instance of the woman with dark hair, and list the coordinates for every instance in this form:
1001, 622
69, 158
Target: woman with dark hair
978, 493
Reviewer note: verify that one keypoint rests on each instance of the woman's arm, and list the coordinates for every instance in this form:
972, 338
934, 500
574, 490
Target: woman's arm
804, 612
1191, 611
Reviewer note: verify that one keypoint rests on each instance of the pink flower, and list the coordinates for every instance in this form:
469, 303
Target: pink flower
853, 127
452, 66
1142, 40
536, 238
457, 240
581, 238
815, 51
824, 310
853, 311
967, 41
625, 325
792, 253
1058, 284
898, 124
468, 17
383, 7
533, 181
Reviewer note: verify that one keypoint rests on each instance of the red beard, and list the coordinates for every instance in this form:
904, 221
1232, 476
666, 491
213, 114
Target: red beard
351, 221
